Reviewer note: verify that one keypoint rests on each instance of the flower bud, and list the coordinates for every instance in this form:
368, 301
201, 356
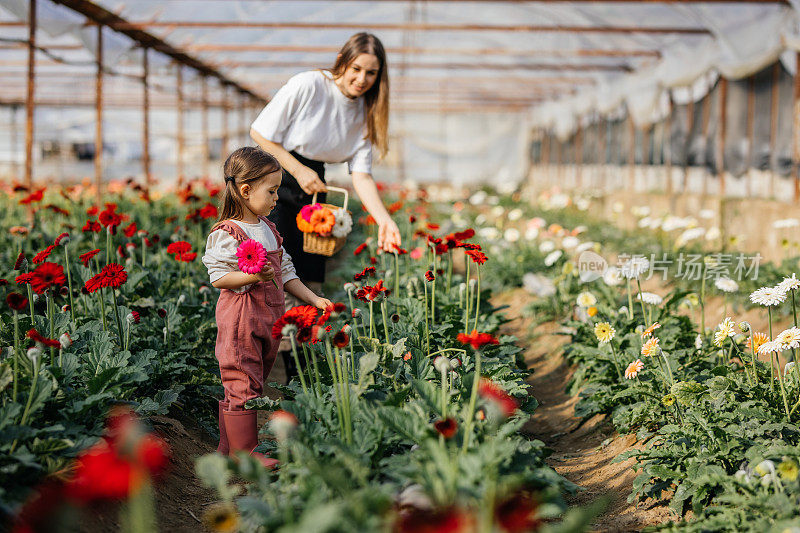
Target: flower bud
282, 424
34, 354
65, 340
441, 364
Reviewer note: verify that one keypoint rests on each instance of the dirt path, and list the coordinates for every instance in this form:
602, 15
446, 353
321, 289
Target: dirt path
582, 453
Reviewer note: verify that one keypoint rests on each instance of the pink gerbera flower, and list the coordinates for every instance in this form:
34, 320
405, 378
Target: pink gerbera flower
306, 211
633, 369
252, 256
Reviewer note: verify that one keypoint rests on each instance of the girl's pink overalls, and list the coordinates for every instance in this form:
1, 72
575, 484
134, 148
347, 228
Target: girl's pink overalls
245, 348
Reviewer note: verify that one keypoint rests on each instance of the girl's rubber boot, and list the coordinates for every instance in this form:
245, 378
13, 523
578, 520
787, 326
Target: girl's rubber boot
223, 447
242, 430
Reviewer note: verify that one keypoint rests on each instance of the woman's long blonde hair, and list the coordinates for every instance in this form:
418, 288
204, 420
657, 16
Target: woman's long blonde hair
245, 165
376, 100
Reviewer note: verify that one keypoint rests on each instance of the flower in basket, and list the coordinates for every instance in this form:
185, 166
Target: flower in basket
343, 223
322, 221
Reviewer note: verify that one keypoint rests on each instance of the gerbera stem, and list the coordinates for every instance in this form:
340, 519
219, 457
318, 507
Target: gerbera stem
468, 307
396, 274
630, 300
771, 368
427, 329
444, 393
780, 381
30, 303
472, 400
669, 370
16, 356
703, 302
478, 299
102, 308
336, 390
297, 363
69, 282
433, 289
385, 323
641, 301
49, 298
614, 358
116, 315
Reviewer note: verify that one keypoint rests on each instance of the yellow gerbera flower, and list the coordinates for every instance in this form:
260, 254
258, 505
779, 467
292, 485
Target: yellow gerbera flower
221, 517
604, 332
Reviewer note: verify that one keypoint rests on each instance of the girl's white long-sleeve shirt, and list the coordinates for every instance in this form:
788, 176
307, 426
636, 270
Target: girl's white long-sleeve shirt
220, 257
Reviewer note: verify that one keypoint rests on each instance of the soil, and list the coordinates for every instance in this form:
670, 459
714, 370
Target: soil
582, 453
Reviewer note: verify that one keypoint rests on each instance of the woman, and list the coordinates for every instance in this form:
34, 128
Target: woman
335, 115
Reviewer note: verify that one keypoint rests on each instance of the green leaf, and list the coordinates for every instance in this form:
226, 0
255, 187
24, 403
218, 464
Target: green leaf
212, 469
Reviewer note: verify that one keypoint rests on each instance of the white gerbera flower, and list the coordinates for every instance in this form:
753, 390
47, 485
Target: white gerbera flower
552, 257
786, 223
538, 285
789, 284
569, 242
698, 342
343, 223
515, 214
650, 298
770, 347
586, 299
726, 285
612, 276
531, 234
634, 267
478, 198
547, 246
768, 296
511, 235
725, 329
790, 337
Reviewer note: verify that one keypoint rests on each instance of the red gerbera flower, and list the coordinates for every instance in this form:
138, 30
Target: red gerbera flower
302, 316
179, 247
340, 339
368, 271
361, 247
451, 520
33, 197
208, 211
377, 290
517, 513
186, 258
86, 257
16, 301
429, 276
109, 218
112, 275
446, 428
91, 226
477, 256
47, 275
22, 279
477, 340
20, 262
38, 337
130, 229
41, 256
464, 235
304, 335
64, 237
492, 392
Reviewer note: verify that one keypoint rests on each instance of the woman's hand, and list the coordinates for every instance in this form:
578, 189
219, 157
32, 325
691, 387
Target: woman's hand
267, 273
309, 180
321, 303
388, 235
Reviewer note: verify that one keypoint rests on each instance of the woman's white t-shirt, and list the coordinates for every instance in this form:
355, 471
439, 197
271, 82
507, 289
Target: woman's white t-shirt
311, 116
220, 257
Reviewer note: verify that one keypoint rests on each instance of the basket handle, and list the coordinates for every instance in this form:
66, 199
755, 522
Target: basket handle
335, 189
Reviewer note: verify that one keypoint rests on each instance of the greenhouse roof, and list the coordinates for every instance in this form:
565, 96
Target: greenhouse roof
559, 61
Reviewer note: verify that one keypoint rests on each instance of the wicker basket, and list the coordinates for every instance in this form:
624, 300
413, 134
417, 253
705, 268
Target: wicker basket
316, 244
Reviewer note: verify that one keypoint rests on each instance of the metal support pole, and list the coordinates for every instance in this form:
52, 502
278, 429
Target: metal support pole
723, 124
98, 137
204, 124
180, 139
29, 101
146, 124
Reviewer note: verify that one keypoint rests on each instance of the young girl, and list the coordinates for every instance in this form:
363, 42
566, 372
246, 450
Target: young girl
249, 304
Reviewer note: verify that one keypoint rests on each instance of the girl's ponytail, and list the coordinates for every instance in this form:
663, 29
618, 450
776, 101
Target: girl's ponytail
245, 165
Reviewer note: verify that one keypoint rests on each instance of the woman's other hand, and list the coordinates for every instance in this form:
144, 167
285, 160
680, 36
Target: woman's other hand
388, 235
322, 303
309, 180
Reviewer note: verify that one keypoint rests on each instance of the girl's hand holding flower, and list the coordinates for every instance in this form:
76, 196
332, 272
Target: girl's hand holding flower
266, 274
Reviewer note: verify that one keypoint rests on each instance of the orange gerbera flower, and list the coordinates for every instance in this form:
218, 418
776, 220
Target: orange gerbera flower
758, 339
322, 220
304, 225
